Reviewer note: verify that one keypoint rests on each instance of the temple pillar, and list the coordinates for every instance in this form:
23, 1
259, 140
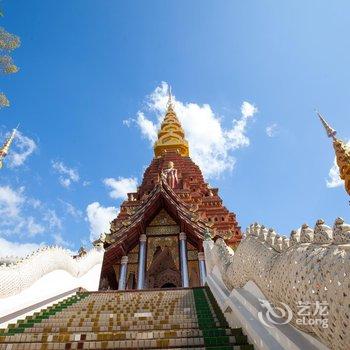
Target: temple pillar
202, 268
122, 272
183, 260
142, 263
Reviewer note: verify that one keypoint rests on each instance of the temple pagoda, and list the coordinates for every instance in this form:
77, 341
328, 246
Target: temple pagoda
156, 241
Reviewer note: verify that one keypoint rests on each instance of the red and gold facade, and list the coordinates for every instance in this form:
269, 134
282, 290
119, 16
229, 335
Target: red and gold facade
157, 239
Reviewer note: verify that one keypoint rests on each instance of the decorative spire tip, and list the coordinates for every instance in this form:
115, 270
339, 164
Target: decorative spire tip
329, 130
6, 146
170, 101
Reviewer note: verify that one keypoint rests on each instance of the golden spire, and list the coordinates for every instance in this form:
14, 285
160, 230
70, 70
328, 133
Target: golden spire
171, 136
6, 147
342, 153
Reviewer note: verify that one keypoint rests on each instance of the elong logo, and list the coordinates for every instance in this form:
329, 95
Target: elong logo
309, 314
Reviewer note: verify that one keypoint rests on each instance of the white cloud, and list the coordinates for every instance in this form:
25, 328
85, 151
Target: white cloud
11, 201
271, 130
148, 129
99, 219
22, 216
33, 227
52, 219
23, 147
211, 144
35, 203
67, 175
60, 241
121, 186
8, 248
248, 110
128, 122
237, 135
12, 218
334, 179
65, 182
71, 209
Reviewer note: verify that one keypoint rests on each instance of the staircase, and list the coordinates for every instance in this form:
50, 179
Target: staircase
155, 319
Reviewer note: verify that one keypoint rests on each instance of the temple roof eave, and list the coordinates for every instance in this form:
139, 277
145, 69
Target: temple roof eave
162, 196
167, 194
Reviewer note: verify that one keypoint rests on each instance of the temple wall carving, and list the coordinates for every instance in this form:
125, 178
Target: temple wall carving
192, 252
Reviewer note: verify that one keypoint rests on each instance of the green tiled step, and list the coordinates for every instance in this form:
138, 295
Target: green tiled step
37, 317
215, 306
213, 323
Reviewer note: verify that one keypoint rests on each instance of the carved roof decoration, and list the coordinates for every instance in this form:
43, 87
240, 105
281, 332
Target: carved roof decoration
342, 151
163, 218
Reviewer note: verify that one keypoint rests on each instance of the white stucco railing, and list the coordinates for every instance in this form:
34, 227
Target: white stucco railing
310, 268
20, 275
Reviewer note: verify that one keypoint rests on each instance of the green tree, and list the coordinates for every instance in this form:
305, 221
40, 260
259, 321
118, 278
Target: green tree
8, 43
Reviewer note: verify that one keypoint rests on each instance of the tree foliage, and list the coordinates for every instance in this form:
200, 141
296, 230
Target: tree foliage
4, 102
8, 43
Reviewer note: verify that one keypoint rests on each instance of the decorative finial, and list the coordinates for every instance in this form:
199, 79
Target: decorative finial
342, 154
330, 131
171, 136
170, 102
6, 147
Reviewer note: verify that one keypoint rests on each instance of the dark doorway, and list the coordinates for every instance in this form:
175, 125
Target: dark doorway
131, 283
168, 285
163, 272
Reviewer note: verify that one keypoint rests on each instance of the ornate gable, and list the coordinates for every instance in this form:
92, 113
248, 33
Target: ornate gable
162, 219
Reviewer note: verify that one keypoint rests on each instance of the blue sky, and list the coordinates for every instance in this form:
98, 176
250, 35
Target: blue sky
88, 69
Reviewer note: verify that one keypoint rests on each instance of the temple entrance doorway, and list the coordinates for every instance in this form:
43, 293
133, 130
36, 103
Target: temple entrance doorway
163, 272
